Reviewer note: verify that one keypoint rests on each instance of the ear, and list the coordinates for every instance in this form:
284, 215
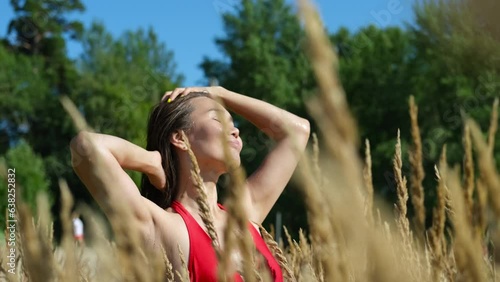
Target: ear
177, 140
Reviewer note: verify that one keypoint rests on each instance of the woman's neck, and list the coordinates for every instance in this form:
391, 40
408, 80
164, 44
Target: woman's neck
188, 190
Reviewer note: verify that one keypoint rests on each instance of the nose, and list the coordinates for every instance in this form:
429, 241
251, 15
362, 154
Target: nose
235, 132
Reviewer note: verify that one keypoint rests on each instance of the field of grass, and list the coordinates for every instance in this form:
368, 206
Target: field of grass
353, 237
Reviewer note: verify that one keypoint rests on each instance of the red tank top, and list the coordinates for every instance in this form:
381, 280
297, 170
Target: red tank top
202, 264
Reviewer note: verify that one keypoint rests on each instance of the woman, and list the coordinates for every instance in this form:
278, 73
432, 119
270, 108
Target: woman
167, 212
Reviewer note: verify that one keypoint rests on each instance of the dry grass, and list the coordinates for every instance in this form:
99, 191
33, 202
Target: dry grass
493, 126
468, 186
346, 241
417, 172
402, 219
201, 200
436, 238
368, 179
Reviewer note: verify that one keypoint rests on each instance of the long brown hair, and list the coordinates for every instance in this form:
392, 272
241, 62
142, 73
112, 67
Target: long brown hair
165, 119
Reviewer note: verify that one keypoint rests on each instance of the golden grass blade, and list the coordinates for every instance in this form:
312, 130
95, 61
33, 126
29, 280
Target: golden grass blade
417, 176
324, 62
34, 251
368, 179
74, 113
340, 135
468, 173
289, 239
330, 108
320, 224
67, 244
169, 272
184, 273
315, 159
278, 254
383, 268
480, 209
493, 126
436, 234
204, 210
44, 220
487, 169
467, 250
402, 190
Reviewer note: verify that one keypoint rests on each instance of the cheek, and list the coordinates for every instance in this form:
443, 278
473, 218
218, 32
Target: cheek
206, 141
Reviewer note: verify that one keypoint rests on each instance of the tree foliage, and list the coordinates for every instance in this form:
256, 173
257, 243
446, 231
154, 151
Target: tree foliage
22, 88
458, 70
376, 70
121, 79
114, 84
39, 26
30, 177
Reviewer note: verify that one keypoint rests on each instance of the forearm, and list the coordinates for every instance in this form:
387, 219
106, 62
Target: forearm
274, 121
127, 154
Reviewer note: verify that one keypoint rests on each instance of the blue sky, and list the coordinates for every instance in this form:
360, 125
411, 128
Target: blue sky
189, 27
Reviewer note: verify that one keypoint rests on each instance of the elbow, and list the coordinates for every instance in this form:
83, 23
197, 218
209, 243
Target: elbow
303, 128
81, 142
302, 131
81, 147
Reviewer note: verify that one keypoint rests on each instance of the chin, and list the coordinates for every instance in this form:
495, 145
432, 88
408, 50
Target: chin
236, 161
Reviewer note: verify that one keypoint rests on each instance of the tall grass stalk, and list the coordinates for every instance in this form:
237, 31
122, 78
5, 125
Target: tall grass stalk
417, 176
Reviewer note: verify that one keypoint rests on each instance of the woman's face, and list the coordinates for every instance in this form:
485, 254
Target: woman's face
205, 135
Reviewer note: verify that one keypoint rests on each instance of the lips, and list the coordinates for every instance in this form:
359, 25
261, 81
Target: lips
237, 144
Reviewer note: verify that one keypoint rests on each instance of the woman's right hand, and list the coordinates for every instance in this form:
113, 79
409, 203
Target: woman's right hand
156, 175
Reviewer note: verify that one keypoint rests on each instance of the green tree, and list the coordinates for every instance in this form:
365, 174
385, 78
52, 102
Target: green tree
114, 84
37, 40
30, 177
39, 26
22, 88
121, 79
376, 70
458, 50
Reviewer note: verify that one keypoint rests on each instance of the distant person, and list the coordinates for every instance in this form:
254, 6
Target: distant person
166, 208
77, 228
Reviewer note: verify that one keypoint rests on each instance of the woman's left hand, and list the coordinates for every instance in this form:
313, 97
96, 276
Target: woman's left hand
213, 91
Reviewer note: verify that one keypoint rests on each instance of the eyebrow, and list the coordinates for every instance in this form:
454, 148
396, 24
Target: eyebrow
220, 110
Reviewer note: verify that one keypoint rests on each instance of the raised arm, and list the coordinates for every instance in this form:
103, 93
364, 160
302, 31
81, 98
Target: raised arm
99, 160
290, 132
